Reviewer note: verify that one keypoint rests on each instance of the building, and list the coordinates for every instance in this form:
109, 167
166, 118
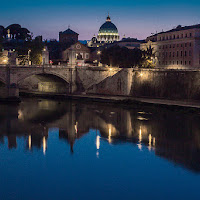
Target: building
68, 36
76, 54
176, 48
130, 43
8, 57
108, 33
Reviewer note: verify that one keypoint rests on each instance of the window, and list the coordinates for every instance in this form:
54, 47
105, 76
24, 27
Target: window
166, 62
190, 34
174, 46
181, 53
185, 44
177, 53
181, 35
173, 62
190, 44
186, 35
174, 37
173, 54
189, 62
177, 45
181, 62
185, 62
177, 62
170, 54
181, 45
170, 46
190, 53
185, 53
177, 36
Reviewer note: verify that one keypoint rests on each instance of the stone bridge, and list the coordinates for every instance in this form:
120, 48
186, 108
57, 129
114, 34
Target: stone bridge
73, 80
13, 76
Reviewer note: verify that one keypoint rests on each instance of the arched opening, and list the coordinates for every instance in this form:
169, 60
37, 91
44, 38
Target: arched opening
44, 84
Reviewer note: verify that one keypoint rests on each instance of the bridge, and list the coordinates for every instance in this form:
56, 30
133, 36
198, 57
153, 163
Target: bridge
55, 79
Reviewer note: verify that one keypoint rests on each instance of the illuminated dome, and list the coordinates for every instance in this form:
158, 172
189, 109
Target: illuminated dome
108, 32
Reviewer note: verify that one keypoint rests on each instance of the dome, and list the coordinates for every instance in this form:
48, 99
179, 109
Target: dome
108, 27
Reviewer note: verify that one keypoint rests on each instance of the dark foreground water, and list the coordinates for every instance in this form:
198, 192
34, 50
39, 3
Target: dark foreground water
72, 150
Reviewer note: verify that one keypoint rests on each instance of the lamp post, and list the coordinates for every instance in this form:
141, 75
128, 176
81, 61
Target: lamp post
29, 51
98, 54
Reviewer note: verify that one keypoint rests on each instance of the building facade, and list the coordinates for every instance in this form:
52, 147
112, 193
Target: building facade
68, 36
176, 48
76, 55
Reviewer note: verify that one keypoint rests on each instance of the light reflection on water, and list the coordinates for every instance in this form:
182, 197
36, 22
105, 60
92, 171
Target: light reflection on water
101, 151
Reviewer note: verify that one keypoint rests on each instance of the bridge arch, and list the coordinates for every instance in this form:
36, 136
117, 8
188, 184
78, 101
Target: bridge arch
23, 77
43, 82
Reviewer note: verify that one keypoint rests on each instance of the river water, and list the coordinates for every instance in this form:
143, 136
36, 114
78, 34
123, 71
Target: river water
82, 150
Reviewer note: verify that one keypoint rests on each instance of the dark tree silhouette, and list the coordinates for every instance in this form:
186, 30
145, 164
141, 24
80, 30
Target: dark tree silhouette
121, 57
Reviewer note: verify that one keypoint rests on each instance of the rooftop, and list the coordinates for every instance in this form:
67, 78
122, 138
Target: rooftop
70, 32
180, 28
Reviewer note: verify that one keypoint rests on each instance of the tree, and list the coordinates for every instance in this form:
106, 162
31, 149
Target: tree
149, 57
121, 57
17, 32
36, 47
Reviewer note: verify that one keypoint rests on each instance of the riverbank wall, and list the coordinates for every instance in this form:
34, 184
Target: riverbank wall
151, 83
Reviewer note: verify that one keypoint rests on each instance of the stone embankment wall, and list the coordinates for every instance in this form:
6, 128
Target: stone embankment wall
151, 83
168, 84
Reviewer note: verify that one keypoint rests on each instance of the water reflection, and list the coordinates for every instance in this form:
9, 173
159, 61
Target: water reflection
171, 135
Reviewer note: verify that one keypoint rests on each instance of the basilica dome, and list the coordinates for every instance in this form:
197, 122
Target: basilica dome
108, 32
108, 27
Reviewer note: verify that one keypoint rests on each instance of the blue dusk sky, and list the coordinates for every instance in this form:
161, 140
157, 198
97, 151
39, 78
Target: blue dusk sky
133, 18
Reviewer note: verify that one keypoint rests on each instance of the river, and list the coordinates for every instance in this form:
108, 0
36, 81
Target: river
83, 150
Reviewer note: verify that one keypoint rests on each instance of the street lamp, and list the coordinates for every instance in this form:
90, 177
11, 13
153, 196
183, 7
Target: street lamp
29, 51
98, 53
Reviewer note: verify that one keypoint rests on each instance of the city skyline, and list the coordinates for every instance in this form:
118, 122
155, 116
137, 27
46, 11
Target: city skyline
134, 19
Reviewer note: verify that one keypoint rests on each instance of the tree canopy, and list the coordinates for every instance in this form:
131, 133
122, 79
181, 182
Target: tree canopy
16, 32
121, 57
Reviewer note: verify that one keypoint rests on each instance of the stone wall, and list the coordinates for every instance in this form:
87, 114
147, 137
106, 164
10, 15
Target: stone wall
150, 83
169, 84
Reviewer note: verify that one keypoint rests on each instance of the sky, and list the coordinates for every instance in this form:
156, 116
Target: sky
134, 18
